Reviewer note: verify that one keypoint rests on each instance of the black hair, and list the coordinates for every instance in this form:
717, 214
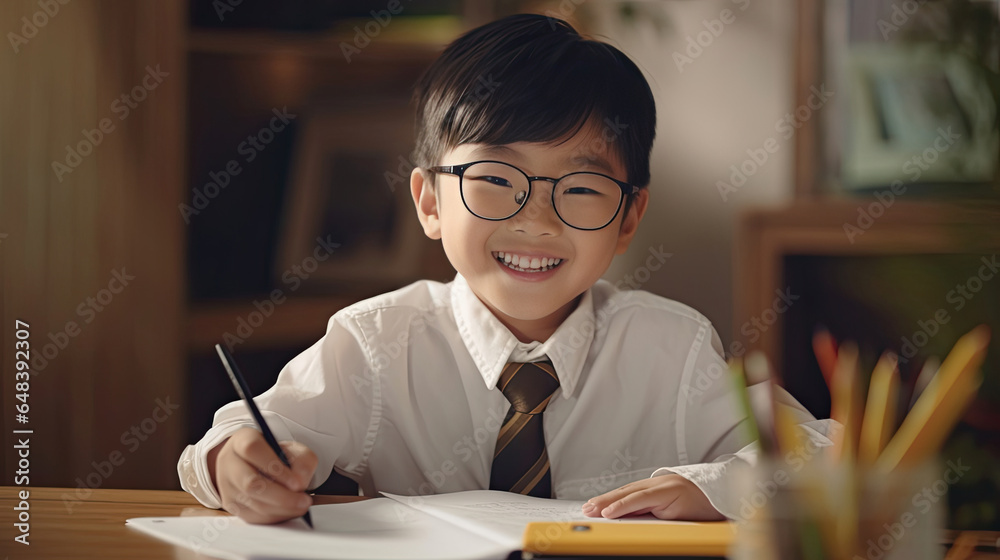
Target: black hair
532, 78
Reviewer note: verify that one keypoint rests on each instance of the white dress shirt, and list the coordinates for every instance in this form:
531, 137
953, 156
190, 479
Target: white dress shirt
400, 395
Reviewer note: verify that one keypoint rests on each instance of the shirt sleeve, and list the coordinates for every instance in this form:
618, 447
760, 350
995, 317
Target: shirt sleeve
325, 398
713, 431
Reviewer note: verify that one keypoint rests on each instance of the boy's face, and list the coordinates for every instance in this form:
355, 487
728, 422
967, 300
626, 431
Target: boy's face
534, 301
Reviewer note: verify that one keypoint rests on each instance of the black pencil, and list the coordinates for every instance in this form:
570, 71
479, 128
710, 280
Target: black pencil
244, 392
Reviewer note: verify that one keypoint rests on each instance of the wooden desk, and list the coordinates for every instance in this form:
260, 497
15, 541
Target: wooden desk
64, 525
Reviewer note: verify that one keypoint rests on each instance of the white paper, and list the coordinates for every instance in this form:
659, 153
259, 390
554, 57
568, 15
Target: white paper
377, 529
499, 516
473, 525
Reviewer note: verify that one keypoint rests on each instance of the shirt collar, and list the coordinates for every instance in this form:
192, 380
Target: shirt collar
492, 345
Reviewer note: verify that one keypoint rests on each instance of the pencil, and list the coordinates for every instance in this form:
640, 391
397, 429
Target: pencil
940, 406
880, 411
244, 391
825, 348
739, 383
846, 403
930, 367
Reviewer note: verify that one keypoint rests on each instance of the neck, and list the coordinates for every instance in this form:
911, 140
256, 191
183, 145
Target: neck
530, 330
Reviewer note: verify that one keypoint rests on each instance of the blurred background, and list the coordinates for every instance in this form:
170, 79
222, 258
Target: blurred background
177, 174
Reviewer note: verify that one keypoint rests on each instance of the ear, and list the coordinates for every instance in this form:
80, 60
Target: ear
425, 201
630, 223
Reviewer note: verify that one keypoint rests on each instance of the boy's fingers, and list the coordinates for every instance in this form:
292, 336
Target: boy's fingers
253, 449
641, 501
608, 498
303, 461
674, 510
256, 498
241, 490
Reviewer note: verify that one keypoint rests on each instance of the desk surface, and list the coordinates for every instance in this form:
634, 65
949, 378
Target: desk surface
67, 523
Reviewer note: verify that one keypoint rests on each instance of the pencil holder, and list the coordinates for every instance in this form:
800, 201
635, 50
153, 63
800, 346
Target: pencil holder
810, 508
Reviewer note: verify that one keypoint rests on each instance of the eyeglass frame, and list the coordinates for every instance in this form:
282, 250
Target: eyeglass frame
628, 189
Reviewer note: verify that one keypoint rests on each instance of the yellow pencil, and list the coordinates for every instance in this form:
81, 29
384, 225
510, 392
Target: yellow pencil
880, 409
940, 406
930, 367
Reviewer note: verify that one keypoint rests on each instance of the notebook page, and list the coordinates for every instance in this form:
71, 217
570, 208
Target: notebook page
499, 516
377, 529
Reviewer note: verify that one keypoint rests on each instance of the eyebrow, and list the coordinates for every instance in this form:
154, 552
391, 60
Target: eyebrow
497, 150
585, 160
593, 161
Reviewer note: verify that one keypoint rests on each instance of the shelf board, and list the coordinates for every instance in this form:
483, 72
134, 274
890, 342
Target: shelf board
838, 226
398, 47
298, 321
900, 223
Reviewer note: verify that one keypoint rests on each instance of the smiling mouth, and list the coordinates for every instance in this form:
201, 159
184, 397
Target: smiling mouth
522, 263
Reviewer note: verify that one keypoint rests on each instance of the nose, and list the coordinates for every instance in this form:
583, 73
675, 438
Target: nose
537, 217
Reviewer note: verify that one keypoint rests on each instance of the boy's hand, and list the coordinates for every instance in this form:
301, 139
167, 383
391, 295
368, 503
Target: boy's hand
254, 484
669, 496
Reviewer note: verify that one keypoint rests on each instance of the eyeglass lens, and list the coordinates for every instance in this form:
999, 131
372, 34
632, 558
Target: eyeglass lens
497, 191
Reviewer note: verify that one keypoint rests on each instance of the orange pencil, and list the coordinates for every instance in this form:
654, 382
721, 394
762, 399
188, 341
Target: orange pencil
846, 402
825, 348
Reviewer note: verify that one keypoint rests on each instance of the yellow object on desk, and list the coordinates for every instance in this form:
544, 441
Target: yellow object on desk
879, 419
941, 405
836, 505
601, 538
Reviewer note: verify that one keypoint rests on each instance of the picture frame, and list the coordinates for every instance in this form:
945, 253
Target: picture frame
916, 115
833, 40
349, 186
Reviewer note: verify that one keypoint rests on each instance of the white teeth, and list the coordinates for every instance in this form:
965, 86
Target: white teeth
527, 264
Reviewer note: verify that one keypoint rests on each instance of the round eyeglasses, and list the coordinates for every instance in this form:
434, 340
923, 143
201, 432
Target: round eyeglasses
494, 190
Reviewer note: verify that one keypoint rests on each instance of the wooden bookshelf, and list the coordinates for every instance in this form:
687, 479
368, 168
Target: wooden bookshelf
817, 227
236, 77
296, 321
413, 47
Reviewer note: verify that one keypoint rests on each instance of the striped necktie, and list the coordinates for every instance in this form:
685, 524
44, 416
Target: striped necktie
520, 461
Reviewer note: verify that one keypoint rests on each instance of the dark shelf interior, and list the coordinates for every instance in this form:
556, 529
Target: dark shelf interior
871, 300
303, 15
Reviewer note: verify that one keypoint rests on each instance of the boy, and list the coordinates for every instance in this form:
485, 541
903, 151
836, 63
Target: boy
532, 183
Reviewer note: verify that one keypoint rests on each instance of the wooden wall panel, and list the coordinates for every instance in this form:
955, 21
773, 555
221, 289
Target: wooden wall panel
116, 211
